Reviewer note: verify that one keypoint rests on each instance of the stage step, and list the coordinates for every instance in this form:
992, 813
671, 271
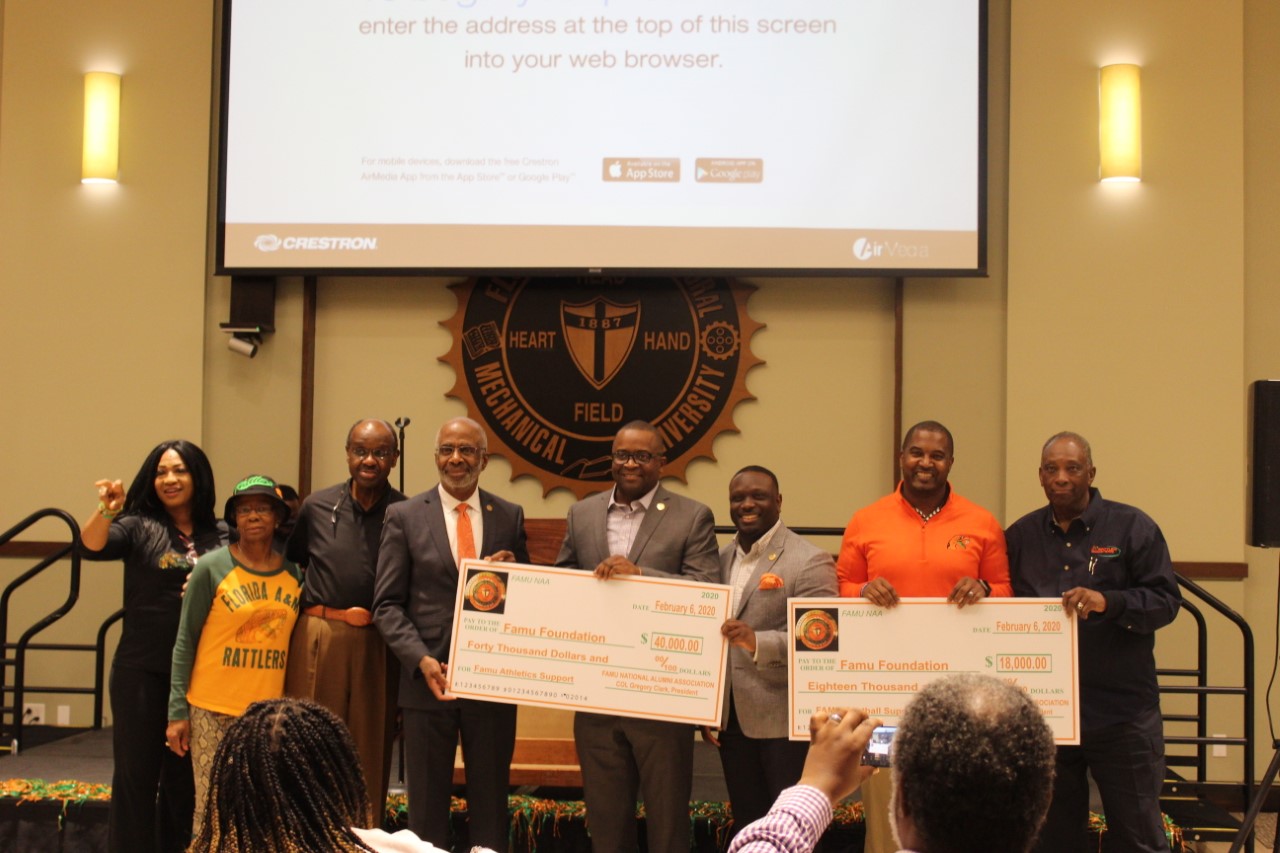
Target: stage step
1200, 818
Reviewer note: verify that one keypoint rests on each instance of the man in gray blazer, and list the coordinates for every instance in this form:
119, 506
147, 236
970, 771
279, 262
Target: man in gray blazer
765, 564
423, 540
638, 527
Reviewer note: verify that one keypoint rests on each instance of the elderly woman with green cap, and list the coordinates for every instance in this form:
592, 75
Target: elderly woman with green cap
237, 614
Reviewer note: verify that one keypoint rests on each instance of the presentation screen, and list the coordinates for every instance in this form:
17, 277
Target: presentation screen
610, 136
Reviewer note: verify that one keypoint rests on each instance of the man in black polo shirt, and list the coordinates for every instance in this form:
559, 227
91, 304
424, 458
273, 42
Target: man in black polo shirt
336, 656
1109, 564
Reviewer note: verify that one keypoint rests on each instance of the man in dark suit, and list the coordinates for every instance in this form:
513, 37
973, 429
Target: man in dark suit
423, 540
765, 564
638, 528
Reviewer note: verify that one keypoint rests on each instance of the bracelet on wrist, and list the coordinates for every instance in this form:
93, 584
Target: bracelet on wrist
106, 512
986, 587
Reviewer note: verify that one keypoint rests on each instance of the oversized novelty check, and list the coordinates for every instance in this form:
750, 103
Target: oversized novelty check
850, 653
632, 645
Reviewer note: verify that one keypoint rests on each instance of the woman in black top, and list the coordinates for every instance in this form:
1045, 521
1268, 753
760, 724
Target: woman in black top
158, 528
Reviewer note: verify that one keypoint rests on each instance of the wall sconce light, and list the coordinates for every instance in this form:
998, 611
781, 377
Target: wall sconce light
1120, 123
101, 161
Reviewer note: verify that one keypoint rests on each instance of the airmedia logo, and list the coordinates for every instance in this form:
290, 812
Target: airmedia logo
866, 249
554, 367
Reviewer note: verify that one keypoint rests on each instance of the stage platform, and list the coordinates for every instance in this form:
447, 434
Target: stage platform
84, 756
549, 818
72, 817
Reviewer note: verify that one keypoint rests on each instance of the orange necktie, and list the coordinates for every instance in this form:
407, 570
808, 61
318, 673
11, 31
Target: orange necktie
466, 536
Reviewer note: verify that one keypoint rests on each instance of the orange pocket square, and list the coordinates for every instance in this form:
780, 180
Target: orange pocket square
770, 581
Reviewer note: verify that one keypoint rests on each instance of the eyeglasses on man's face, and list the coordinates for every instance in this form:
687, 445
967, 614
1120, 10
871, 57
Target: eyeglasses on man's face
640, 457
381, 454
466, 451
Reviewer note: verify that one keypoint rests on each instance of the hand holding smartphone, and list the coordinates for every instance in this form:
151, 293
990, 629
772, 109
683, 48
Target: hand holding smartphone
877, 754
838, 740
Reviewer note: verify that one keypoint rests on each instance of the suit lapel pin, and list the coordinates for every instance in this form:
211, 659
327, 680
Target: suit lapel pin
488, 507
773, 556
661, 506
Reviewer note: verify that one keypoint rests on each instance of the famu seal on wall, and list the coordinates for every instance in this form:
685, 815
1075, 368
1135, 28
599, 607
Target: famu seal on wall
553, 368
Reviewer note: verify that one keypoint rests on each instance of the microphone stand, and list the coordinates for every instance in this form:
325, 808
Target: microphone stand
401, 423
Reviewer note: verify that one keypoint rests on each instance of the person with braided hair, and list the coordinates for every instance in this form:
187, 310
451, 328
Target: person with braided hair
286, 778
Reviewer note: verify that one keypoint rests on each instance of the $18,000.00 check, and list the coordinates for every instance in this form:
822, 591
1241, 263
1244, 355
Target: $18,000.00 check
634, 646
850, 653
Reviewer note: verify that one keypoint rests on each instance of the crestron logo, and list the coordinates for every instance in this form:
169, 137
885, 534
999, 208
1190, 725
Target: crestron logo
270, 242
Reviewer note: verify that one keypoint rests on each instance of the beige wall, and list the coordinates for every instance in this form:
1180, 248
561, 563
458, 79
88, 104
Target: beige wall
102, 326
103, 285
379, 341
1135, 314
1262, 292
1126, 301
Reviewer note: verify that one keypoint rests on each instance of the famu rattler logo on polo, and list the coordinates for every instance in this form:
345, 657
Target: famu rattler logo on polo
553, 368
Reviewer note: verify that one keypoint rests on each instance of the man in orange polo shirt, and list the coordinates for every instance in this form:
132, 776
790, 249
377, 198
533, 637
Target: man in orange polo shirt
921, 541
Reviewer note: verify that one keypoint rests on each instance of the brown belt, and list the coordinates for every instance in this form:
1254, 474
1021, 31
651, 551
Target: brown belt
356, 617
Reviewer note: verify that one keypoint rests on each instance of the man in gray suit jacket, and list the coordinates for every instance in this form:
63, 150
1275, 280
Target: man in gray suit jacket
423, 539
638, 527
765, 564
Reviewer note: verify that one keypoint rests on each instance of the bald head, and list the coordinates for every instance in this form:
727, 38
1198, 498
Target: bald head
973, 768
1073, 437
372, 426
472, 426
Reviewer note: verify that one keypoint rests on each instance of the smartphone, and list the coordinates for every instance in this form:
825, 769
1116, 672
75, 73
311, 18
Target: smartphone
877, 753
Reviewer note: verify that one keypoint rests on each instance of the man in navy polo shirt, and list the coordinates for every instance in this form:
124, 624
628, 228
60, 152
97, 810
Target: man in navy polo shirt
1109, 564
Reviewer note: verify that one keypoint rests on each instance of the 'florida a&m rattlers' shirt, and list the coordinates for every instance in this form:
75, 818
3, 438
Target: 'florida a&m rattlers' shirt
233, 639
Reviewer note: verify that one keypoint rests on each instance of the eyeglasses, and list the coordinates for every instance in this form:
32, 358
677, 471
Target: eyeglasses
466, 451
381, 454
254, 509
640, 457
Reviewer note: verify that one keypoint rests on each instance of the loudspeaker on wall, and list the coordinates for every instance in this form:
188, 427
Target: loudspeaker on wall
1264, 464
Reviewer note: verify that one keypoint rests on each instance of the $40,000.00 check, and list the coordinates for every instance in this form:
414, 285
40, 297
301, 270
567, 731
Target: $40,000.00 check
634, 646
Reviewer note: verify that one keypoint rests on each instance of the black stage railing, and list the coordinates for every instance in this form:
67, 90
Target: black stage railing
13, 665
